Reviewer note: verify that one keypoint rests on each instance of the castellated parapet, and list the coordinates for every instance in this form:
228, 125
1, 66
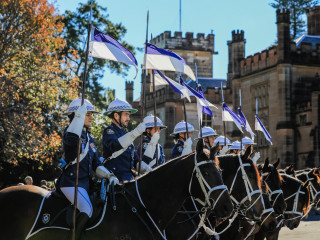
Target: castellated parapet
189, 43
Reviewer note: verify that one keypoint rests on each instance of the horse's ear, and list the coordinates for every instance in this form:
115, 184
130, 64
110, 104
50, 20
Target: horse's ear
199, 147
214, 150
247, 153
266, 165
305, 184
275, 165
291, 167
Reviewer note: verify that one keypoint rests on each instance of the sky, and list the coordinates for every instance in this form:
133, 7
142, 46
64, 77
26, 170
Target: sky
255, 17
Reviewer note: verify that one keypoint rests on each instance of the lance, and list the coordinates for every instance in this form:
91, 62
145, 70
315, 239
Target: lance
185, 115
200, 117
155, 110
256, 120
79, 143
224, 123
241, 134
143, 87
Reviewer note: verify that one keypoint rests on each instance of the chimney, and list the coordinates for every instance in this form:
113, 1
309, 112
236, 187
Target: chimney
284, 40
129, 91
313, 15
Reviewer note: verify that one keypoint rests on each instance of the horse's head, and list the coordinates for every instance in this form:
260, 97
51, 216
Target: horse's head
268, 219
243, 179
297, 196
272, 180
289, 170
207, 185
312, 177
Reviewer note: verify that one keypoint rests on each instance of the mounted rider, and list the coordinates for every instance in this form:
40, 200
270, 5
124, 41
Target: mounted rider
183, 142
150, 142
118, 149
80, 120
235, 147
208, 135
248, 142
224, 144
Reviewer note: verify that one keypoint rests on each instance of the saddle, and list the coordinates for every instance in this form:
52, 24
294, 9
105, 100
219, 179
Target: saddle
56, 212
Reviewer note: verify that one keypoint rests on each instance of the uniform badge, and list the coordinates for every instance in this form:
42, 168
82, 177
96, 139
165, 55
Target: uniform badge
110, 131
180, 149
46, 218
145, 145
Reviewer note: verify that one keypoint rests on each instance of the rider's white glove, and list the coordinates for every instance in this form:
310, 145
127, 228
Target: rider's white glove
224, 150
77, 122
152, 145
256, 157
144, 167
187, 147
127, 139
102, 172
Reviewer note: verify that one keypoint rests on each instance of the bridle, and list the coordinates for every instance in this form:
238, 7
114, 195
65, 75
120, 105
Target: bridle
205, 187
249, 189
295, 204
264, 177
313, 191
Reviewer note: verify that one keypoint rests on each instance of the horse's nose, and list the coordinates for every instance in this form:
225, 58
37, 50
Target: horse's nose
272, 226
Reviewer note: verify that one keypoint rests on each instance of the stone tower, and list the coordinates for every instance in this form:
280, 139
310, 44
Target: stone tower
129, 91
313, 15
284, 42
236, 48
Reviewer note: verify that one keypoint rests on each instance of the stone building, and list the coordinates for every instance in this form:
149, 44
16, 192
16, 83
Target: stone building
200, 51
285, 80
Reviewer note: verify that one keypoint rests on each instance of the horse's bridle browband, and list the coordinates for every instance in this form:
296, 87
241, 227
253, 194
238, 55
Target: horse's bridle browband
204, 185
249, 189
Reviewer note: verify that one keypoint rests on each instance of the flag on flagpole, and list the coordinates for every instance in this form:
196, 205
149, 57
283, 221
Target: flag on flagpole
159, 76
230, 116
259, 127
103, 46
162, 59
205, 109
245, 123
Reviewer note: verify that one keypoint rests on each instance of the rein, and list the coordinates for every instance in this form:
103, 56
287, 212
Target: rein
249, 189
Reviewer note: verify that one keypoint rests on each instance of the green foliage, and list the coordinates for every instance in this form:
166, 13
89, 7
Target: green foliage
75, 33
297, 12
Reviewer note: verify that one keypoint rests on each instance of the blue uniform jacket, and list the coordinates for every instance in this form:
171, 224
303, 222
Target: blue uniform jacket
122, 165
146, 159
177, 149
88, 164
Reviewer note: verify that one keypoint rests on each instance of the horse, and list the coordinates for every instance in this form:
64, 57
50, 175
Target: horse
140, 209
311, 176
297, 197
188, 220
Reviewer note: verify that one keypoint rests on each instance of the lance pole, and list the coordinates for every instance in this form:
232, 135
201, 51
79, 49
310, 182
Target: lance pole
241, 134
79, 143
255, 121
185, 114
143, 87
155, 111
224, 123
200, 117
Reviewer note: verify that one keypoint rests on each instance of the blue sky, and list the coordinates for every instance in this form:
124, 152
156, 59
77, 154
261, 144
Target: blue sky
255, 17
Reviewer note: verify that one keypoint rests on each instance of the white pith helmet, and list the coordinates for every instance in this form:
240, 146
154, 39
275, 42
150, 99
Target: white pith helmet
149, 122
221, 140
181, 128
75, 104
235, 145
207, 132
246, 141
118, 105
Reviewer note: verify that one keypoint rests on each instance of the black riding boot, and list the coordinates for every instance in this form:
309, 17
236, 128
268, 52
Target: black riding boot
81, 222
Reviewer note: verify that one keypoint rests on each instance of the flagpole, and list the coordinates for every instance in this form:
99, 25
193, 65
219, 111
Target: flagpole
143, 86
79, 143
241, 134
255, 121
224, 123
185, 114
200, 117
155, 110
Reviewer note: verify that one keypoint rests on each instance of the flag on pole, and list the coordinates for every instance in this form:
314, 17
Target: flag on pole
245, 123
230, 116
162, 59
259, 127
205, 109
104, 46
160, 77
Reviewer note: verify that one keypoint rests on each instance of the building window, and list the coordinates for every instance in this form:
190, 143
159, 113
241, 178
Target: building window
206, 120
303, 119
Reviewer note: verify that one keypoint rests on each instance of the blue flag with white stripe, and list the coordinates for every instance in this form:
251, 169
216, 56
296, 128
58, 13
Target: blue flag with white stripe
259, 127
205, 109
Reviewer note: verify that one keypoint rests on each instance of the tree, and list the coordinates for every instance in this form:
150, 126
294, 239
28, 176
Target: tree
75, 33
35, 85
297, 11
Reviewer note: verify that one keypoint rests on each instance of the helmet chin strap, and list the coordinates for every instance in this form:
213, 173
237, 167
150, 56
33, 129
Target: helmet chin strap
208, 142
118, 122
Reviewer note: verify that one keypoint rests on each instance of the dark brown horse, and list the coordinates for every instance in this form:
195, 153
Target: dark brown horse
144, 207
